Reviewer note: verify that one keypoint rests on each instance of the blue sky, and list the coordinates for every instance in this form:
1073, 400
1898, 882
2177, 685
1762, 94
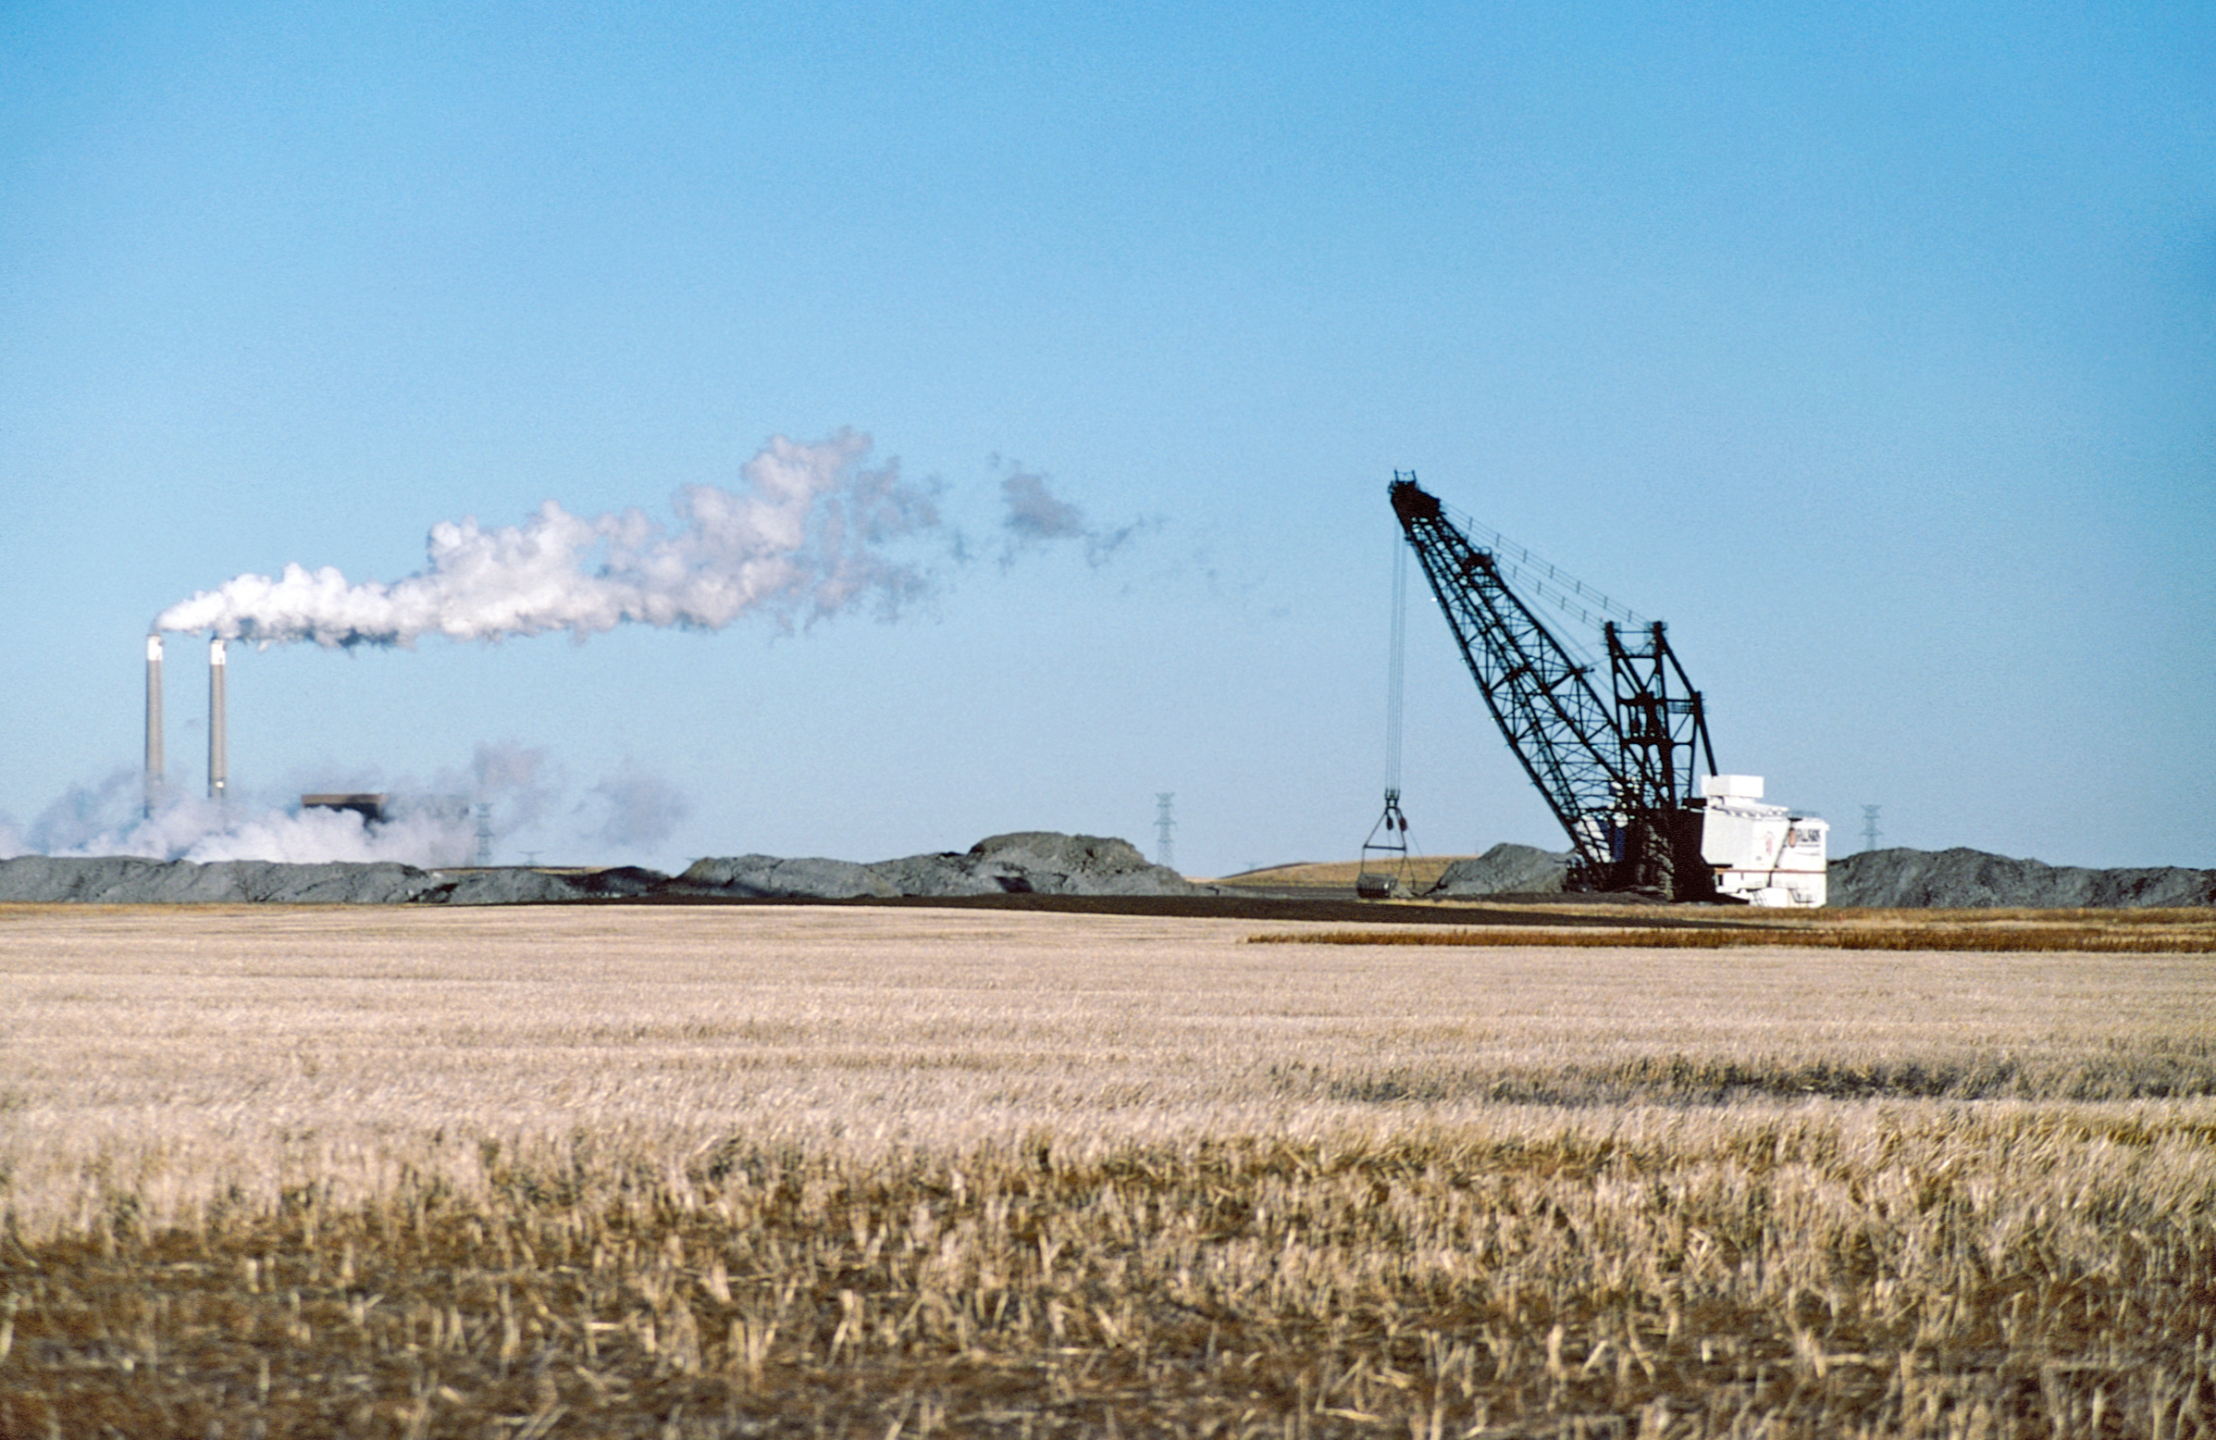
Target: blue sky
1871, 346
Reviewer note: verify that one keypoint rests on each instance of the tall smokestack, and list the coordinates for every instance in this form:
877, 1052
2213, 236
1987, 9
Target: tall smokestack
218, 766
153, 721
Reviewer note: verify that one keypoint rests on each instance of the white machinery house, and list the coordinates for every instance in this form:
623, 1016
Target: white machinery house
1762, 854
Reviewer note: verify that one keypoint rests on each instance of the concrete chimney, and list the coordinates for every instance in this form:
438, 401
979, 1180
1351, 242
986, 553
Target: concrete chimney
218, 762
153, 722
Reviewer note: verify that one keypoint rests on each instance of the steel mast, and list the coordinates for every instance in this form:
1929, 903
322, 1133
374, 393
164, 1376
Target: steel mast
1618, 773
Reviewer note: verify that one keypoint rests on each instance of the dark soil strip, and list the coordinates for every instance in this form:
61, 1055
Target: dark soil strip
1219, 907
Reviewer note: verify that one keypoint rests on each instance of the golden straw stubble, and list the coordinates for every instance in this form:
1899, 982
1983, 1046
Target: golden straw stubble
794, 1172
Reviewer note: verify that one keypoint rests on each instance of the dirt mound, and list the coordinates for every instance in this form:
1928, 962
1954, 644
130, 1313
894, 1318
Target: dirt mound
1031, 862
1962, 879
502, 887
1034, 862
120, 880
1506, 869
1049, 863
619, 881
766, 877
947, 873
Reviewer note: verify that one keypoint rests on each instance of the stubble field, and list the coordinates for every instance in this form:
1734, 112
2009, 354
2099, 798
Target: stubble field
676, 1172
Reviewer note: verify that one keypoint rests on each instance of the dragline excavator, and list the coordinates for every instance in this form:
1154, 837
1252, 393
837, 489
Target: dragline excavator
1632, 778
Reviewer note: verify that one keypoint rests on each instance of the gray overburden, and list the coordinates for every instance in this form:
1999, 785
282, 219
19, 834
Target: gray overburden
1025, 863
1961, 879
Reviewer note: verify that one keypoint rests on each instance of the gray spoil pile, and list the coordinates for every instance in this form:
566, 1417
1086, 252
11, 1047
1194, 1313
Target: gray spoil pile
1506, 869
1034, 862
1031, 862
766, 877
501, 887
118, 880
1048, 863
1027, 863
1962, 879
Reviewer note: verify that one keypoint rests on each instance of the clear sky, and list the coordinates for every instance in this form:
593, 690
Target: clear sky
1872, 346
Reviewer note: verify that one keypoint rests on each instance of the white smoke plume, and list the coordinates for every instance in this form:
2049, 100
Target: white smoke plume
105, 820
427, 836
641, 810
1037, 516
518, 781
804, 537
429, 824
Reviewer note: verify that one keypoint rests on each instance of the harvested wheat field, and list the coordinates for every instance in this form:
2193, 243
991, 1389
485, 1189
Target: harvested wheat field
894, 1172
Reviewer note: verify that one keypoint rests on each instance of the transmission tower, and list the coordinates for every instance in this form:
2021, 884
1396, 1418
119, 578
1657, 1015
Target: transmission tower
1165, 854
484, 833
1870, 832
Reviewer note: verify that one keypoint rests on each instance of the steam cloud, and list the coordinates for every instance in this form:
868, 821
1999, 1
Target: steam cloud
519, 781
1035, 513
809, 534
642, 810
104, 820
433, 823
805, 537
1037, 516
